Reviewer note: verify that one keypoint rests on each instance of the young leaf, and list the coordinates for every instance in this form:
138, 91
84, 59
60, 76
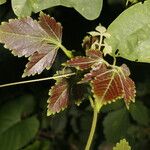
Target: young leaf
59, 97
122, 145
39, 40
112, 84
82, 62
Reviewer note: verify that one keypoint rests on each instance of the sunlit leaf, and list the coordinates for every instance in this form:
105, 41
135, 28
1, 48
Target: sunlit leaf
130, 33
59, 97
122, 145
112, 84
37, 40
22, 8
85, 7
2, 1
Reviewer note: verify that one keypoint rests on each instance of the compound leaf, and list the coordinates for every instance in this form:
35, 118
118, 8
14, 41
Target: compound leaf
37, 40
122, 145
59, 97
132, 37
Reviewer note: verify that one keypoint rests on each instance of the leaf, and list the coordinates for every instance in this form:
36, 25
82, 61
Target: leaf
88, 41
115, 125
59, 97
85, 7
2, 1
15, 125
130, 33
40, 145
95, 71
37, 40
122, 145
112, 84
79, 93
82, 62
58, 123
140, 113
22, 8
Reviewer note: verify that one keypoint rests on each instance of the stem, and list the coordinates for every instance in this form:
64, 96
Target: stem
114, 63
93, 127
36, 80
67, 52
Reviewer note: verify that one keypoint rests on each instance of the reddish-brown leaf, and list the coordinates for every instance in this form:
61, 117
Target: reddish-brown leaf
112, 84
95, 71
94, 53
59, 97
80, 62
92, 57
50, 25
29, 38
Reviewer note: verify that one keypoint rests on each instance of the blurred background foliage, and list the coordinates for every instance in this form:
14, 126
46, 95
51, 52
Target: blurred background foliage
23, 121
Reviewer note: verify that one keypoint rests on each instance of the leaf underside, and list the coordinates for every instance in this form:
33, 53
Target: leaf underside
59, 97
37, 40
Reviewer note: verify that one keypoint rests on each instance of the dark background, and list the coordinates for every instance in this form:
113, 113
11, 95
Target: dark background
69, 129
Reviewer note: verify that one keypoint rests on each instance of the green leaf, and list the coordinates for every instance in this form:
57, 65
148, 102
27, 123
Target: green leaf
122, 145
37, 40
84, 7
2, 1
40, 145
130, 33
115, 125
22, 8
139, 113
15, 125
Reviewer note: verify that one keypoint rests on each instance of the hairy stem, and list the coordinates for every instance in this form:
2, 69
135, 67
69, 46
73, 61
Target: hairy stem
93, 127
36, 80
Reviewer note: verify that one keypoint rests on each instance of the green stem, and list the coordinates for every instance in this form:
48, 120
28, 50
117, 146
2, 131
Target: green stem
93, 127
67, 52
36, 80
